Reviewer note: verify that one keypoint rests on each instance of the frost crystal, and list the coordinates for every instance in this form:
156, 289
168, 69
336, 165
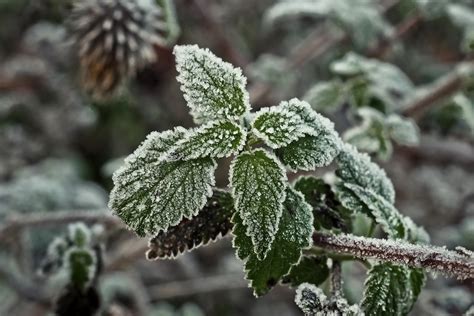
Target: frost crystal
293, 235
258, 185
318, 148
150, 194
358, 169
215, 139
313, 302
278, 126
213, 89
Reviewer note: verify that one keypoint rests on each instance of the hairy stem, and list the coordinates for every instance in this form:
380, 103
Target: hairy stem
431, 258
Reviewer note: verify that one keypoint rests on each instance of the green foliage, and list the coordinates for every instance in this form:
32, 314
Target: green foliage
211, 222
391, 289
258, 184
166, 187
312, 269
293, 235
360, 19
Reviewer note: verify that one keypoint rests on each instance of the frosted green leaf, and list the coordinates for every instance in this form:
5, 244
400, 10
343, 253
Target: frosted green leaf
150, 194
312, 269
277, 126
316, 149
391, 289
313, 302
379, 80
212, 88
357, 168
293, 235
258, 186
210, 223
384, 213
326, 96
403, 130
371, 135
216, 139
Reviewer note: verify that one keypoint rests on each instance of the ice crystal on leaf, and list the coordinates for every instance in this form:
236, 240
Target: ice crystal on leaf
293, 235
317, 148
258, 185
212, 88
216, 139
151, 194
313, 302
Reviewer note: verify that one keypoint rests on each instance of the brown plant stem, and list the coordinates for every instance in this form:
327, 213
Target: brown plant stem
431, 258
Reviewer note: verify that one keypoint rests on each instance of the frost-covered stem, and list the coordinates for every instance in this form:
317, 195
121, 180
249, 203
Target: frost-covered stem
431, 258
336, 278
446, 87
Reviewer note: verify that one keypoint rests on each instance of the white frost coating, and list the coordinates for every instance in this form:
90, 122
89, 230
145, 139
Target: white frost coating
212, 88
215, 139
89, 264
358, 169
277, 126
258, 182
317, 148
431, 258
150, 194
313, 302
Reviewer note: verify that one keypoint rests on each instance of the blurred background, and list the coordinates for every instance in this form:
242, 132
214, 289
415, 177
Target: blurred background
396, 76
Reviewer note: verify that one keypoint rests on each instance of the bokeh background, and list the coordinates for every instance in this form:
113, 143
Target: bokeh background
59, 145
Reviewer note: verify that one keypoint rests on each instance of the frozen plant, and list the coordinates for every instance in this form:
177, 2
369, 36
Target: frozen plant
283, 232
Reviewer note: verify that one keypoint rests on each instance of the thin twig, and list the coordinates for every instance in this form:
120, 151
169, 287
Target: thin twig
336, 279
446, 87
431, 258
34, 220
179, 289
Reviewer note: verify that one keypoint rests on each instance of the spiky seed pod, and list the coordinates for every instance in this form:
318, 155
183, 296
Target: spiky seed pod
114, 39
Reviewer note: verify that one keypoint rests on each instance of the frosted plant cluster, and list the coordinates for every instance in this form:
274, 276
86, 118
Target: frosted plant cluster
166, 189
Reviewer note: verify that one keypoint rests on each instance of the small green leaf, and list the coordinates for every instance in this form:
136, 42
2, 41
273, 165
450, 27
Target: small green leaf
326, 96
328, 211
293, 235
150, 194
213, 89
278, 127
258, 185
310, 152
384, 213
403, 130
357, 168
312, 269
315, 150
210, 223
216, 139
391, 289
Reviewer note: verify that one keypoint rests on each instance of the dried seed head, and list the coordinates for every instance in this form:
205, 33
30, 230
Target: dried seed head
114, 38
